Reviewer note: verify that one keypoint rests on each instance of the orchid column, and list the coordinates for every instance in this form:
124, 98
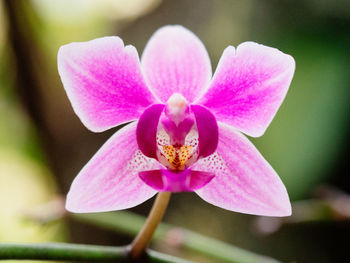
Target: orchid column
185, 130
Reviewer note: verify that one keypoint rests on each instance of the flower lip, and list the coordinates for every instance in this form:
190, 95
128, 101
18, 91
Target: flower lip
176, 181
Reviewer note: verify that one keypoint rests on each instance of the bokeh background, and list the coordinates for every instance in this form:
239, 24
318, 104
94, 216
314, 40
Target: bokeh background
43, 145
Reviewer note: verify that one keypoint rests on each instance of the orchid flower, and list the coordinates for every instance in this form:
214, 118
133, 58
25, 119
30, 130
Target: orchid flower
185, 130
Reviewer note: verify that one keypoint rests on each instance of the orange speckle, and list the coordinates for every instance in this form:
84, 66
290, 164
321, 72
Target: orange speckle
177, 155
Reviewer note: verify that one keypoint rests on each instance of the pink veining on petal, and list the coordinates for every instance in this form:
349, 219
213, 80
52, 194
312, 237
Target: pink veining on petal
103, 81
249, 86
244, 182
176, 181
146, 131
110, 181
175, 60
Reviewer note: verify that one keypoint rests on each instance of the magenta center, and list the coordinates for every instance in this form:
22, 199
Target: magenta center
176, 134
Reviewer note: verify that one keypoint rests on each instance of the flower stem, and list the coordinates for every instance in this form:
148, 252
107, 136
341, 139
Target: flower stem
129, 223
143, 238
77, 253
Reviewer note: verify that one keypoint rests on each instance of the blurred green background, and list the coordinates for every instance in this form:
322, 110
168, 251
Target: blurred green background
43, 144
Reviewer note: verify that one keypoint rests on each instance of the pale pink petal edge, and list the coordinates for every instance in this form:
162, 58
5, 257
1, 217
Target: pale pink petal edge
110, 181
244, 181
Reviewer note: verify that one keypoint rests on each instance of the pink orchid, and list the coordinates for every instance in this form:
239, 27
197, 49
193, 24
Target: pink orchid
187, 137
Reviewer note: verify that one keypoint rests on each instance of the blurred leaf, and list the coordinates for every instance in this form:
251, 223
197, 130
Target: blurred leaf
303, 141
24, 185
171, 236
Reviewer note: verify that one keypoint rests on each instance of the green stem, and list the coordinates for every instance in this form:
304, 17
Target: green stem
129, 223
144, 237
74, 252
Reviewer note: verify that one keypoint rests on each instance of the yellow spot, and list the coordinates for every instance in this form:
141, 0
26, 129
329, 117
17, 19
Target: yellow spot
169, 152
185, 153
177, 155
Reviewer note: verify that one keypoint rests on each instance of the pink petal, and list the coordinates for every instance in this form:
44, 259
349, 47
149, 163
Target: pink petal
175, 60
153, 178
146, 131
200, 179
249, 86
207, 130
244, 182
110, 181
176, 181
103, 81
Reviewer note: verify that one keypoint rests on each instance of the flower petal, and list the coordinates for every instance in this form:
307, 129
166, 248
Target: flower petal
110, 181
153, 178
103, 81
244, 182
249, 86
207, 130
175, 60
200, 179
146, 131
176, 181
